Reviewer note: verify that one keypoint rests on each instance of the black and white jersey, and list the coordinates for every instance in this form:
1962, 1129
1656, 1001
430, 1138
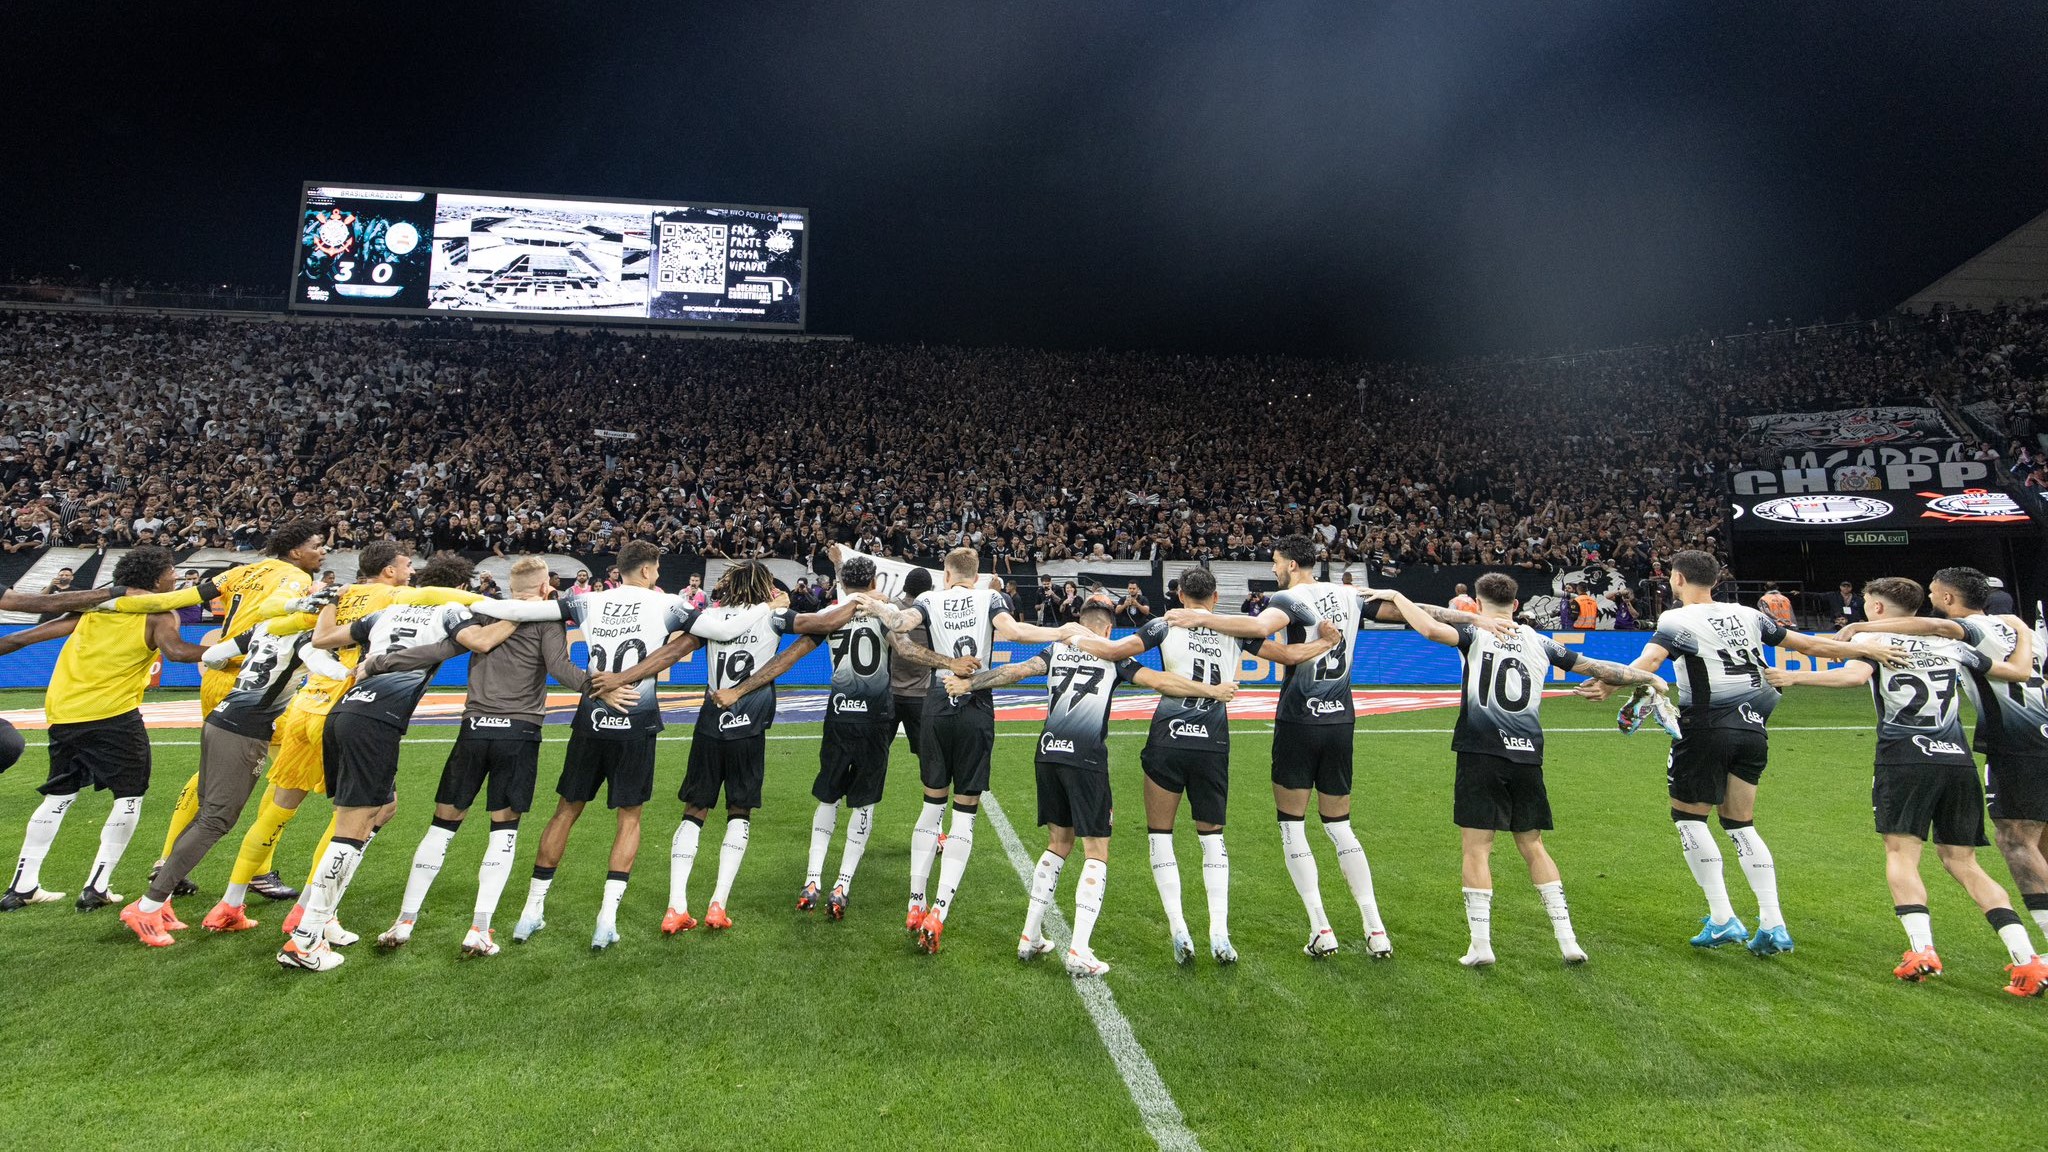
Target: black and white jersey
1080, 689
738, 642
1205, 657
1499, 706
1718, 651
1919, 707
860, 673
390, 697
1319, 692
962, 623
620, 627
270, 673
2012, 717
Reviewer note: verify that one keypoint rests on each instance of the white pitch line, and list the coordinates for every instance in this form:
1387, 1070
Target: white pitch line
1163, 1119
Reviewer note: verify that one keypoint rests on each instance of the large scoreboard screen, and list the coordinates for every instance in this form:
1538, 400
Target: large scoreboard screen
503, 255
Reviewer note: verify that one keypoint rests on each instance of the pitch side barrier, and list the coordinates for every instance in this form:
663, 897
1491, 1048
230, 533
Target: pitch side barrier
1386, 657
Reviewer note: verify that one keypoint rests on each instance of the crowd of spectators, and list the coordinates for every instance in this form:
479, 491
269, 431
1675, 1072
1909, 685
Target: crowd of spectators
206, 431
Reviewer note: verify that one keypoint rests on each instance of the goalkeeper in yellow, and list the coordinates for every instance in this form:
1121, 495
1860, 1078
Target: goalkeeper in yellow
298, 768
248, 595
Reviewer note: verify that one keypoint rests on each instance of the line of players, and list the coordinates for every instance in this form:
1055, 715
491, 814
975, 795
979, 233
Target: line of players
395, 635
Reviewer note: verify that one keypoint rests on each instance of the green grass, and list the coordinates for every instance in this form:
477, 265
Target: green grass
795, 1032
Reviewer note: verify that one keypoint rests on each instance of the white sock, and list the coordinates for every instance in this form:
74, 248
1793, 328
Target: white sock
1088, 902
2017, 943
1757, 866
859, 823
236, 894
614, 891
1301, 867
1216, 881
2040, 916
1703, 856
730, 854
682, 856
1357, 872
824, 822
149, 905
114, 837
1552, 895
1166, 875
1479, 920
537, 896
924, 840
1045, 882
959, 845
42, 831
1919, 928
427, 860
323, 896
492, 874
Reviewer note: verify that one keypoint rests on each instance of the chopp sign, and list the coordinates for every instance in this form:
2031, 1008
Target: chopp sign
1904, 476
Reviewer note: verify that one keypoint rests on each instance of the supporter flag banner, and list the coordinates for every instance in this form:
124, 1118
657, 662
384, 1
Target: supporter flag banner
889, 574
1848, 428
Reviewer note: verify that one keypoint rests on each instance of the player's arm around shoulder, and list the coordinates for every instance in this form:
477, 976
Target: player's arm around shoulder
998, 677
1170, 684
1861, 664
48, 630
1327, 636
1412, 614
1265, 624
171, 643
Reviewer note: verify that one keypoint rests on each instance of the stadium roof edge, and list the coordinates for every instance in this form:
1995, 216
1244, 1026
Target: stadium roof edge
2012, 269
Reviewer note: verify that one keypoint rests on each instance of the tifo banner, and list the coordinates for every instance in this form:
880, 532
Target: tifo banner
1848, 428
1384, 658
889, 574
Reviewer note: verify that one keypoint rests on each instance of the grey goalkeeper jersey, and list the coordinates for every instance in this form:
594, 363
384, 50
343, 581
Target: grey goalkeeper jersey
508, 685
1499, 706
1919, 707
2012, 717
1080, 689
1205, 657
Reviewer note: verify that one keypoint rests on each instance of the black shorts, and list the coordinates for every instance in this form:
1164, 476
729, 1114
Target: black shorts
1910, 798
953, 752
1494, 792
2017, 787
910, 710
112, 754
1702, 761
1073, 797
853, 762
733, 765
360, 756
1314, 756
624, 767
1204, 775
510, 765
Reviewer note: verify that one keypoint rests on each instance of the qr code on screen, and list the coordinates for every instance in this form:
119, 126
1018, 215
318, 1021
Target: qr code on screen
692, 258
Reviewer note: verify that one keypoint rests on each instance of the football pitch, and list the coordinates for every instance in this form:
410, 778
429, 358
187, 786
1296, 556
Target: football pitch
792, 1031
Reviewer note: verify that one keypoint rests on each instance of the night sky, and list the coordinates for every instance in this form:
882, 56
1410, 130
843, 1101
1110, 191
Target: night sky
1399, 180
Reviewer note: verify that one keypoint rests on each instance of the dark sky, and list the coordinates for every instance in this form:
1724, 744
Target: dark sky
1424, 179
